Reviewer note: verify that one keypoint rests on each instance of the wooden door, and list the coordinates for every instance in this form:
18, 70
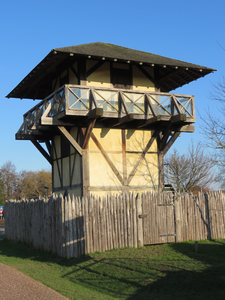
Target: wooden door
158, 219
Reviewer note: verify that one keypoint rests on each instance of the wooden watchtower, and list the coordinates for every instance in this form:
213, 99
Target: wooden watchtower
106, 117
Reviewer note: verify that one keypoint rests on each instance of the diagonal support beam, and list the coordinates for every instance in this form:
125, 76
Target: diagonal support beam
162, 142
69, 137
42, 150
147, 99
170, 142
141, 157
105, 155
49, 146
88, 134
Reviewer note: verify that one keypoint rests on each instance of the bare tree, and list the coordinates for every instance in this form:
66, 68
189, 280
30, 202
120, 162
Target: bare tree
213, 128
191, 172
9, 181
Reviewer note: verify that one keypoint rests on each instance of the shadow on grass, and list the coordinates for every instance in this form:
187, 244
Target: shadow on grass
173, 271
202, 276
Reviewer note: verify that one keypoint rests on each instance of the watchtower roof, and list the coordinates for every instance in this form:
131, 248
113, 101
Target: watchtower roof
172, 73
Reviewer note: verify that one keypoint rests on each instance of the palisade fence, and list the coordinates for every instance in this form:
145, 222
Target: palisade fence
74, 226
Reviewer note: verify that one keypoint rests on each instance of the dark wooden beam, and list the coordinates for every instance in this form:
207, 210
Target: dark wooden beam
164, 139
141, 157
57, 163
95, 67
88, 134
49, 146
74, 71
145, 73
170, 142
93, 99
123, 102
148, 100
69, 137
42, 150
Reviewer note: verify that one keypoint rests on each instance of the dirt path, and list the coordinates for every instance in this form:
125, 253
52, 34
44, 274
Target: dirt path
17, 286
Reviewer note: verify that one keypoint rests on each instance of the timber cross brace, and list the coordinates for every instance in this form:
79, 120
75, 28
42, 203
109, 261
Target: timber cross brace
106, 117
164, 142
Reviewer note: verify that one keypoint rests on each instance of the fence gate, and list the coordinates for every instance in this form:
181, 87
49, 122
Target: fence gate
158, 219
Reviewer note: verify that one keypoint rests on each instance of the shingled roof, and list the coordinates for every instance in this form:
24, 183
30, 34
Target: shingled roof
172, 73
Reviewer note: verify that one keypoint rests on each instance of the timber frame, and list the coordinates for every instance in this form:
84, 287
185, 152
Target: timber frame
96, 100
85, 107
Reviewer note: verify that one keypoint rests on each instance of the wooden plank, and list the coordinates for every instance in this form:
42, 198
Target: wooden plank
134, 213
115, 222
122, 230
94, 218
125, 220
140, 239
102, 224
128, 221
79, 250
74, 226
146, 227
67, 227
178, 219
87, 241
132, 199
118, 215
82, 229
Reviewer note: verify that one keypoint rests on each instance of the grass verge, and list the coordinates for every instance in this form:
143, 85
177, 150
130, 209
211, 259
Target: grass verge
170, 271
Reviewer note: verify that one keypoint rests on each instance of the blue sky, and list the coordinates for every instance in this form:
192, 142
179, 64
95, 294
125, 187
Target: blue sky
184, 30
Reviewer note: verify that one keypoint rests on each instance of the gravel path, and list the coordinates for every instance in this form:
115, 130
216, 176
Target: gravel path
17, 286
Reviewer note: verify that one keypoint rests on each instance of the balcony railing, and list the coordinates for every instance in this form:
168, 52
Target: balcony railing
80, 101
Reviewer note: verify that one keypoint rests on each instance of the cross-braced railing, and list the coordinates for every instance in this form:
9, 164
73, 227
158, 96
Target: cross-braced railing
80, 101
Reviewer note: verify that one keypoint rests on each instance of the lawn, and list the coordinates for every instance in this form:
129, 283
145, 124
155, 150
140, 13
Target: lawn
170, 271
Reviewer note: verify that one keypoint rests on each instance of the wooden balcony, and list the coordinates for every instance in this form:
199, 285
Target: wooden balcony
75, 105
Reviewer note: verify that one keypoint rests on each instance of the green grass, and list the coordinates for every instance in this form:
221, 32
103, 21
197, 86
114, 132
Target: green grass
170, 271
